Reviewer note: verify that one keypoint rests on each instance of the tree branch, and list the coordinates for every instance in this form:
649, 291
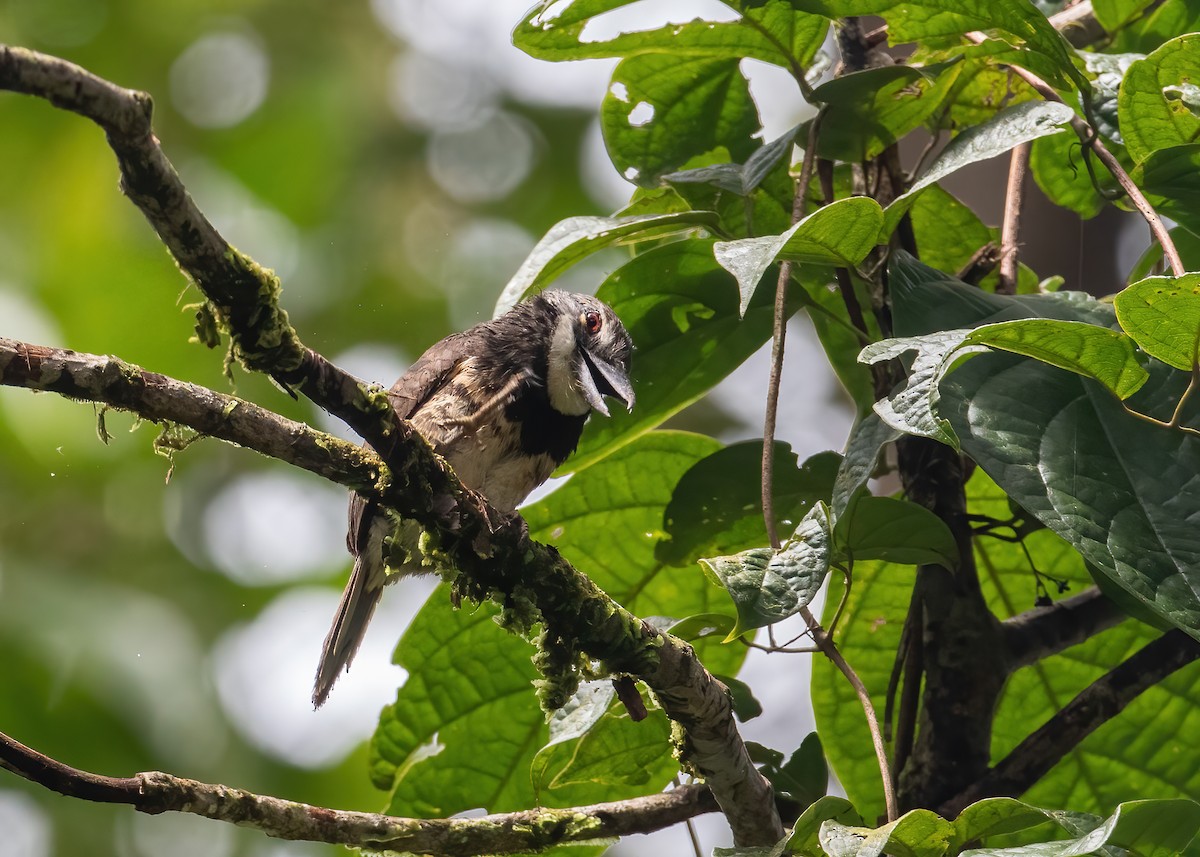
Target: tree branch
1014, 199
492, 554
501, 833
1098, 703
1045, 631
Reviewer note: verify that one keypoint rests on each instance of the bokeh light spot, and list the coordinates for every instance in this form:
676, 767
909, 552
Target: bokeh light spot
220, 79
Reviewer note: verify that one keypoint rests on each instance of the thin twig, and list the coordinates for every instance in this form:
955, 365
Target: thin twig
502, 833
799, 203
1090, 138
830, 650
1014, 200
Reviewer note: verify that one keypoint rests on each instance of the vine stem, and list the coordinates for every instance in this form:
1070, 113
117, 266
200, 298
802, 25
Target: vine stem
799, 203
830, 650
1092, 140
1014, 200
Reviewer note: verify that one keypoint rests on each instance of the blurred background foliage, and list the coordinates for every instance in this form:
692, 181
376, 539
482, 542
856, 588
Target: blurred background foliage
393, 161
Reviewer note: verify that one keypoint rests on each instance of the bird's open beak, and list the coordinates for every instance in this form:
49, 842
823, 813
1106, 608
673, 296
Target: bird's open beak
604, 379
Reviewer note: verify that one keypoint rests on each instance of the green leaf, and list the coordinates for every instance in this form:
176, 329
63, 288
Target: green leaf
805, 838
738, 178
805, 776
1173, 174
840, 234
996, 816
767, 585
745, 706
912, 410
1109, 70
1113, 14
594, 744
919, 833
607, 520
1008, 128
425, 751
1156, 26
1162, 315
661, 110
948, 233
1085, 349
772, 32
716, 507
867, 111
676, 303
867, 439
575, 238
1151, 828
895, 531
1153, 116
1058, 168
910, 21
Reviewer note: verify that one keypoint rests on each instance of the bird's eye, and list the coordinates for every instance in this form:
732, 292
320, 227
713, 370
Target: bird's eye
592, 322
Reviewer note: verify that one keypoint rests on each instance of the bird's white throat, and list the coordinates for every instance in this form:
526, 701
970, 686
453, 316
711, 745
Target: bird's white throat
566, 397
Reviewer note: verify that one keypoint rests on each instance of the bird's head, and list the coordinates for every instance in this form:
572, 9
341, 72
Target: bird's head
589, 354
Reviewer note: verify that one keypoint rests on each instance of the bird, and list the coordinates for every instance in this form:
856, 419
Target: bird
504, 403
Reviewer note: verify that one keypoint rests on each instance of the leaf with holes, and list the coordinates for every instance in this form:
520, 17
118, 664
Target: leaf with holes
1152, 113
661, 110
1162, 315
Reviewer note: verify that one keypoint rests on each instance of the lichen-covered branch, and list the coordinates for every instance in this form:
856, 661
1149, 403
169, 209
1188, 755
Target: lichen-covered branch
502, 833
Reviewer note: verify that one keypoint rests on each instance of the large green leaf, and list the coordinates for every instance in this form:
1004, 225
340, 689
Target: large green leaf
1152, 115
1162, 315
840, 234
716, 507
772, 32
896, 531
867, 111
919, 833
1057, 165
681, 309
1112, 14
661, 110
571, 240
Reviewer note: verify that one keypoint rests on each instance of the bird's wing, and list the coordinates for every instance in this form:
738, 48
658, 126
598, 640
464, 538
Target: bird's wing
415, 387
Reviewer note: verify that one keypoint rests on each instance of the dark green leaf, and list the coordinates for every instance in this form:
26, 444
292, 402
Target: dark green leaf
948, 233
867, 439
676, 303
1110, 70
1162, 315
738, 178
895, 531
867, 111
1186, 242
1153, 117
768, 586
716, 507
1172, 176
805, 776
662, 110
745, 706
571, 240
841, 233
1161, 23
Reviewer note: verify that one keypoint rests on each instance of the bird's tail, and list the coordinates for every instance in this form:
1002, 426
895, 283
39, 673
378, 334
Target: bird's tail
349, 624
